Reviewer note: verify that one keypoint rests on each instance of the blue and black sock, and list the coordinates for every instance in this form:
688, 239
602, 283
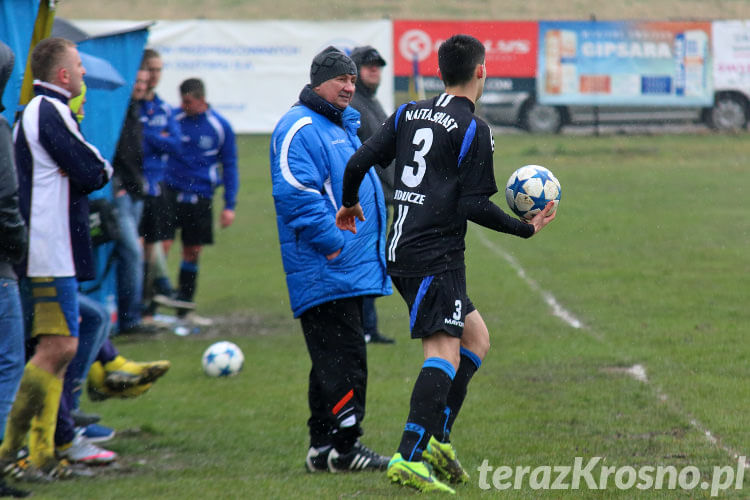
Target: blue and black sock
428, 398
468, 366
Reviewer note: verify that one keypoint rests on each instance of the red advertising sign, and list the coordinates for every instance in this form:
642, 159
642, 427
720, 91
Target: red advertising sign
511, 46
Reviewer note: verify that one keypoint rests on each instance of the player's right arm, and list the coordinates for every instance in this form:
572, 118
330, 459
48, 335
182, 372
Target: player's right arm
379, 149
356, 169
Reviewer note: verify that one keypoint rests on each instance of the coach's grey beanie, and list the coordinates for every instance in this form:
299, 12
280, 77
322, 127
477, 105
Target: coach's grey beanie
330, 63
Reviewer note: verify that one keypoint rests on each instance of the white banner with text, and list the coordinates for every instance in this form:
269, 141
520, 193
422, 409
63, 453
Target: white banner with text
254, 70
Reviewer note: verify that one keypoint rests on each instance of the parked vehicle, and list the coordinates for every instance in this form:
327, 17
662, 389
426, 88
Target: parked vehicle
730, 112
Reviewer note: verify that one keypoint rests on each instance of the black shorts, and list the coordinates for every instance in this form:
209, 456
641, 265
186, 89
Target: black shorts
154, 219
436, 303
192, 214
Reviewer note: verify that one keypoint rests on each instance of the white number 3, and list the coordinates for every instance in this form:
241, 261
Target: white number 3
457, 314
411, 176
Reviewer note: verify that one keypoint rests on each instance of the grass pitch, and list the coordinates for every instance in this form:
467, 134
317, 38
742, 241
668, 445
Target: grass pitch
648, 253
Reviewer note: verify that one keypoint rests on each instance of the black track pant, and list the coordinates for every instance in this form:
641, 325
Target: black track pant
338, 378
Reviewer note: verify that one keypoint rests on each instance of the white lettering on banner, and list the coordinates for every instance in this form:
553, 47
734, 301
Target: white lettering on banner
507, 46
418, 43
499, 84
644, 50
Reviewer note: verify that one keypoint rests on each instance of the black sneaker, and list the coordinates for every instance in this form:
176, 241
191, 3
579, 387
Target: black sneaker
378, 338
360, 457
317, 461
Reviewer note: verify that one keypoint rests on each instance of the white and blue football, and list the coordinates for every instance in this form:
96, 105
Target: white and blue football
530, 188
222, 359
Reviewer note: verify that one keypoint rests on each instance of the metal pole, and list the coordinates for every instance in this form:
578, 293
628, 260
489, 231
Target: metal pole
596, 107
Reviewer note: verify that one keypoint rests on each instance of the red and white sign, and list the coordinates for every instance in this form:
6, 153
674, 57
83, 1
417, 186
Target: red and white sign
510, 46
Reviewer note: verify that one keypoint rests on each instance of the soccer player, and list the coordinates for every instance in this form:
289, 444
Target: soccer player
207, 160
444, 177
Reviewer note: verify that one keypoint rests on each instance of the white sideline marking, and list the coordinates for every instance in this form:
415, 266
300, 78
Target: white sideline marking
557, 309
637, 371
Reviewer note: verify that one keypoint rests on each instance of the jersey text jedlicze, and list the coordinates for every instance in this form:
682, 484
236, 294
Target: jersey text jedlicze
442, 152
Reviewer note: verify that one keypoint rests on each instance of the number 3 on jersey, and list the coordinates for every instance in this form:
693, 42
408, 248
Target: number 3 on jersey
412, 176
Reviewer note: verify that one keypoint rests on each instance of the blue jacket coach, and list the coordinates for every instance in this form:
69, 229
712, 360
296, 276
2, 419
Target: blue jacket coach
327, 270
308, 157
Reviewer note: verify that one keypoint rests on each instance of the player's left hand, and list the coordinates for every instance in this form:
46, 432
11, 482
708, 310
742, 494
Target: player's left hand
227, 217
544, 217
346, 218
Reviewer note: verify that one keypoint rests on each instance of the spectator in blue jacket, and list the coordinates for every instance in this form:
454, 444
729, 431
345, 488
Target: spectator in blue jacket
207, 160
328, 271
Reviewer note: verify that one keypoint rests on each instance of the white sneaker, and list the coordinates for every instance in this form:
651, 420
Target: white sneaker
84, 451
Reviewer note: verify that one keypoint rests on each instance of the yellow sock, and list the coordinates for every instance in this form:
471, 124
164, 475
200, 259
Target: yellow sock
29, 400
43, 423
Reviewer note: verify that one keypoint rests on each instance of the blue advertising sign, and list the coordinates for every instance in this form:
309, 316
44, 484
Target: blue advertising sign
644, 63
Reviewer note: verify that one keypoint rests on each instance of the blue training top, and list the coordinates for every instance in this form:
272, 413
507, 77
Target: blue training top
207, 141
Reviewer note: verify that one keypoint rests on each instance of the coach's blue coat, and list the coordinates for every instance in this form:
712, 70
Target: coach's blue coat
308, 157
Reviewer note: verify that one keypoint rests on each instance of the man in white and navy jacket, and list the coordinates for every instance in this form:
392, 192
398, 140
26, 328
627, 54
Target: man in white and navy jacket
56, 169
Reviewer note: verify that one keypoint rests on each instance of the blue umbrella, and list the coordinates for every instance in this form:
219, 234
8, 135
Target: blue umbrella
100, 74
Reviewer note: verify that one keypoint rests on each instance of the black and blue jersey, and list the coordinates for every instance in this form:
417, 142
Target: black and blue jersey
442, 153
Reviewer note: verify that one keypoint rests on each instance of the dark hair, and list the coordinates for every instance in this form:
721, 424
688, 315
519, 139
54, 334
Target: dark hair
47, 57
194, 87
148, 54
458, 56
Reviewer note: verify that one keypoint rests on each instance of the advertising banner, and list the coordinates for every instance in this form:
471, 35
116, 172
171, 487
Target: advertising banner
510, 50
731, 42
254, 70
625, 63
